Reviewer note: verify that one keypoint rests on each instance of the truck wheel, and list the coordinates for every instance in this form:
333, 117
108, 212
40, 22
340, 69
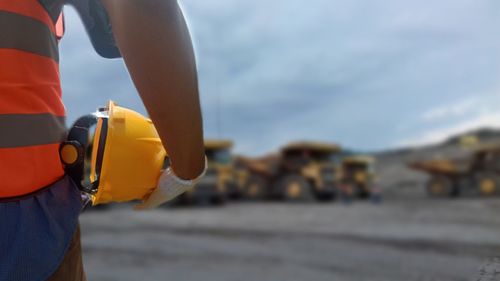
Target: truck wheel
295, 188
488, 184
219, 200
233, 191
255, 189
440, 186
327, 194
183, 200
362, 191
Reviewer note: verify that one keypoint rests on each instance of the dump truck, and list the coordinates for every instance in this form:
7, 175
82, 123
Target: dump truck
357, 173
218, 182
221, 163
477, 174
301, 171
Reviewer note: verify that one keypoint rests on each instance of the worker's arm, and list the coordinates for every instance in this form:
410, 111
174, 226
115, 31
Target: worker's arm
153, 38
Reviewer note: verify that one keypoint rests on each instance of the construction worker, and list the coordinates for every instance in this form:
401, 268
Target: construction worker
39, 209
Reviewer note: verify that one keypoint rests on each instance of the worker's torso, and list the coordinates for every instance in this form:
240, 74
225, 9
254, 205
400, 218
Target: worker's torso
36, 230
31, 110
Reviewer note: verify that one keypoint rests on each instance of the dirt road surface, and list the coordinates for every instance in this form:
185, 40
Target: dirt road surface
408, 240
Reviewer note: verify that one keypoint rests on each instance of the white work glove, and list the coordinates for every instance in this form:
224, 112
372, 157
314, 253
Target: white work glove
169, 187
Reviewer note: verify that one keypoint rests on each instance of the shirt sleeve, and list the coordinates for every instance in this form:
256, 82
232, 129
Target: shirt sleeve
96, 22
53, 8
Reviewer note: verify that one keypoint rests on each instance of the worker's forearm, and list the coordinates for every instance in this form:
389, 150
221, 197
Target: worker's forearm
154, 40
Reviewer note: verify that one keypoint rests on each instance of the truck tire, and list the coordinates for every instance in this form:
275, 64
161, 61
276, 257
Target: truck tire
255, 189
440, 186
233, 191
219, 200
327, 194
362, 191
488, 184
294, 188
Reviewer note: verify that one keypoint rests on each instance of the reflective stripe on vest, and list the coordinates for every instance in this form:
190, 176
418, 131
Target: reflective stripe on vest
31, 110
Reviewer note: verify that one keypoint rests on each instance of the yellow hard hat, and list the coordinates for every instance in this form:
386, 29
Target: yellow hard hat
120, 162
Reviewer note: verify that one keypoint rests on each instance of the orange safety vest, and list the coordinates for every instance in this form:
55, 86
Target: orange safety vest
32, 115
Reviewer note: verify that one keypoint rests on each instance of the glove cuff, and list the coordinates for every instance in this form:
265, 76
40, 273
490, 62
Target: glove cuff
184, 182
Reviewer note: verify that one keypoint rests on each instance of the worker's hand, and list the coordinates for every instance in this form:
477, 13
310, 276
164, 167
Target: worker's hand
169, 187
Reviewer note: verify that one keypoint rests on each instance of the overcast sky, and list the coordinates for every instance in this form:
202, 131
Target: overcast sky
367, 74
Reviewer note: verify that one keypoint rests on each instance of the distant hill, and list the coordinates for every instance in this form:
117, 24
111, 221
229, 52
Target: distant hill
395, 178
483, 134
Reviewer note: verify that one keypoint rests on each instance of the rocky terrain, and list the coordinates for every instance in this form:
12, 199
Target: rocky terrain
408, 237
420, 239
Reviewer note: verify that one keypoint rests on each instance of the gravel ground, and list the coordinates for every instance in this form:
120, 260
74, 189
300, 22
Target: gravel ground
400, 240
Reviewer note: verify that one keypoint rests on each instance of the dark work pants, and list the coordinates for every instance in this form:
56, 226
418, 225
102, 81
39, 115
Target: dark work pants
71, 268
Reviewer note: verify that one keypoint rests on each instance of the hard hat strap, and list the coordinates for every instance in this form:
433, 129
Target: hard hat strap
79, 138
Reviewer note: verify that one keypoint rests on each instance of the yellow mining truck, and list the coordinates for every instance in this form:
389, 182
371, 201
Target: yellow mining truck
301, 171
479, 174
357, 173
218, 182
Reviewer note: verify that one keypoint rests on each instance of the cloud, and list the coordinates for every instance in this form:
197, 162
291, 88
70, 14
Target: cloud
466, 114
458, 109
362, 73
